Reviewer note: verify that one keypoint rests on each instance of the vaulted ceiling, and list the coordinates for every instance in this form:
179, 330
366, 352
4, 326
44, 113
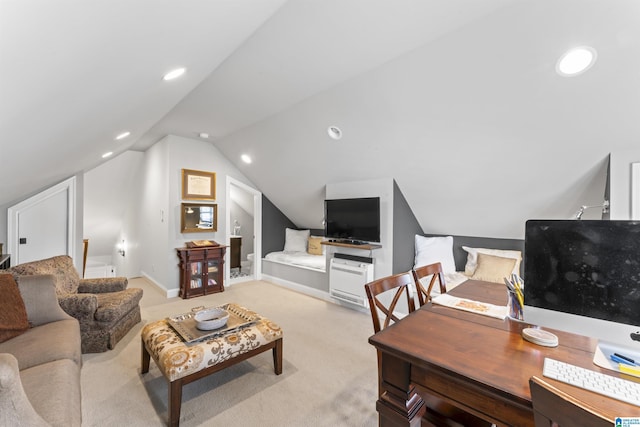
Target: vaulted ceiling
457, 100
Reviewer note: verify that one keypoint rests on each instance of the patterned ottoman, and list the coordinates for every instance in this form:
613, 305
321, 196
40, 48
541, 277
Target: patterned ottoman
182, 362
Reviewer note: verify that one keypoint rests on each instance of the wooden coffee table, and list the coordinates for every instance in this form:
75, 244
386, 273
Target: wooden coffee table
182, 362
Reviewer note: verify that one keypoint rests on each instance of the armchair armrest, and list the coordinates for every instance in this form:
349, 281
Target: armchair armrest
102, 285
80, 306
15, 408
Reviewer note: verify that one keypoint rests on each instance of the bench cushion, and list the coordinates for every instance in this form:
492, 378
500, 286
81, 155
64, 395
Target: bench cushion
176, 359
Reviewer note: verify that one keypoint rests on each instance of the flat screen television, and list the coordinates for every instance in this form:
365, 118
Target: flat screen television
584, 277
352, 220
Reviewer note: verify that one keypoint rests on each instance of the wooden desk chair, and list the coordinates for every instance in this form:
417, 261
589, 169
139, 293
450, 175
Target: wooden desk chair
435, 271
553, 407
400, 283
438, 412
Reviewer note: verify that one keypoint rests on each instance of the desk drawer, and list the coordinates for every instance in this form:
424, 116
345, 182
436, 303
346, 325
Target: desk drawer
487, 402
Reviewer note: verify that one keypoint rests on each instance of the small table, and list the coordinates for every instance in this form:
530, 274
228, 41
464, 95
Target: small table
183, 362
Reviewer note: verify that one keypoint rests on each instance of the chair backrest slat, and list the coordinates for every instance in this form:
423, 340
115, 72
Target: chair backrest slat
401, 283
435, 271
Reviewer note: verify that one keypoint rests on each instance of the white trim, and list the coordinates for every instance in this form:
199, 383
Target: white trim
13, 214
257, 226
635, 191
170, 293
316, 293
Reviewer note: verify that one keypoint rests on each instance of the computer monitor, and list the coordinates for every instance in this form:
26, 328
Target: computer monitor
584, 277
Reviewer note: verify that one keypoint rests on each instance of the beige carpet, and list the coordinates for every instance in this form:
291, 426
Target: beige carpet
329, 369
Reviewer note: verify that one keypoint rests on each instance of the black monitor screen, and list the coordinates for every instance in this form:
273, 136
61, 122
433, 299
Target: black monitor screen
357, 219
588, 268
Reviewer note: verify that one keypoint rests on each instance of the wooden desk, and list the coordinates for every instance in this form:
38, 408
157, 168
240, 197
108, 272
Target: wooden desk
476, 363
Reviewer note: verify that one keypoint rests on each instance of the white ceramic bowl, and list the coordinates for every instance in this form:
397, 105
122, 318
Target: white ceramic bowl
211, 318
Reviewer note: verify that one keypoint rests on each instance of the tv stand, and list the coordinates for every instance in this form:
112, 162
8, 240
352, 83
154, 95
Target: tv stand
348, 241
360, 245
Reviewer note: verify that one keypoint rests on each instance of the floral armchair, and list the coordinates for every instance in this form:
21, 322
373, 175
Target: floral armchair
105, 307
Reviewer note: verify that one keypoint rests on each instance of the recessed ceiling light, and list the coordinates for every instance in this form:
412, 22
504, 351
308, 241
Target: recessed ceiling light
203, 135
334, 132
174, 74
123, 135
109, 154
576, 61
245, 158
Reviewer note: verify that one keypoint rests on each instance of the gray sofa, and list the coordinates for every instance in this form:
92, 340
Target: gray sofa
40, 367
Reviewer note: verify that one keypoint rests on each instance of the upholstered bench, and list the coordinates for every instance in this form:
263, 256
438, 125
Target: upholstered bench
183, 362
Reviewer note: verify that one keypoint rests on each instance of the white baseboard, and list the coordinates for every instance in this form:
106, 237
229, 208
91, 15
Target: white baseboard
316, 293
170, 293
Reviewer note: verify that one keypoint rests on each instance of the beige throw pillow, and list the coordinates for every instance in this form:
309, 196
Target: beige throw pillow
472, 258
315, 245
493, 268
40, 299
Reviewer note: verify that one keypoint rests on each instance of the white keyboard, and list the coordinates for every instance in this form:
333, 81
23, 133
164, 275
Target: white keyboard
614, 387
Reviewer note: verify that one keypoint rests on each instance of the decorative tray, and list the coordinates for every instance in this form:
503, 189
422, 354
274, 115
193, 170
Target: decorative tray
185, 324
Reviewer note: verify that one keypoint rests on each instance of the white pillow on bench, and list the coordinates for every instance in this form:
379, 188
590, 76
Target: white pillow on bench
296, 240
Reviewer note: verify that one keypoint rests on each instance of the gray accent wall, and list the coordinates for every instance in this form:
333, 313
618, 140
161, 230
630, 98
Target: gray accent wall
460, 255
405, 227
274, 223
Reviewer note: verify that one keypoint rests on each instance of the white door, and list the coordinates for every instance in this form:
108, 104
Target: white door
42, 229
42, 226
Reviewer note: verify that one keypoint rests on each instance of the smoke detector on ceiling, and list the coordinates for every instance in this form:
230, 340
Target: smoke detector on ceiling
334, 132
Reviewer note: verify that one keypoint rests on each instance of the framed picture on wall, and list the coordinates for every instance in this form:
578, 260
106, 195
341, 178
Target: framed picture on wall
198, 185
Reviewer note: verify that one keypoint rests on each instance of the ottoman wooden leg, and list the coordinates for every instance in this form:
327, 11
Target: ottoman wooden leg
145, 359
277, 357
175, 401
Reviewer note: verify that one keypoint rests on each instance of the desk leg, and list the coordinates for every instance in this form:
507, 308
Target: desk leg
399, 404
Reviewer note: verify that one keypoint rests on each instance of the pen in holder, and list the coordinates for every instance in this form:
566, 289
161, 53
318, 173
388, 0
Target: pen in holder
514, 308
515, 297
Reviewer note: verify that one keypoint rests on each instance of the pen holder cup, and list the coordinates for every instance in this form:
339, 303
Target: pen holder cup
514, 308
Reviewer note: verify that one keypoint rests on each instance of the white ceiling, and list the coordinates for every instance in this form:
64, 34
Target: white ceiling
73, 74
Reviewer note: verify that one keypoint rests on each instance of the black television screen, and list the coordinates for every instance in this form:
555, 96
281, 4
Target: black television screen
588, 268
353, 219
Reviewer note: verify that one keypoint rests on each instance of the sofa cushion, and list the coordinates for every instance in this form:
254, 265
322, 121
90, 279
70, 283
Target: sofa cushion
42, 344
60, 266
54, 391
13, 314
113, 306
15, 408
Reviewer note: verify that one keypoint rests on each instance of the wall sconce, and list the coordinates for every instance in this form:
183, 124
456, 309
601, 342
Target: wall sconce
604, 206
121, 248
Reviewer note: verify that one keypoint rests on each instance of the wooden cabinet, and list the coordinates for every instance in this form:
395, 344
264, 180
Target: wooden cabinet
201, 271
236, 251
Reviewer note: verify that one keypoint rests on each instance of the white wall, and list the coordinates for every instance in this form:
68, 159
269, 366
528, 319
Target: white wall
620, 183
110, 195
158, 219
153, 216
383, 188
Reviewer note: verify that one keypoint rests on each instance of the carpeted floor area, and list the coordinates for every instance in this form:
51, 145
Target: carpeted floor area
329, 369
